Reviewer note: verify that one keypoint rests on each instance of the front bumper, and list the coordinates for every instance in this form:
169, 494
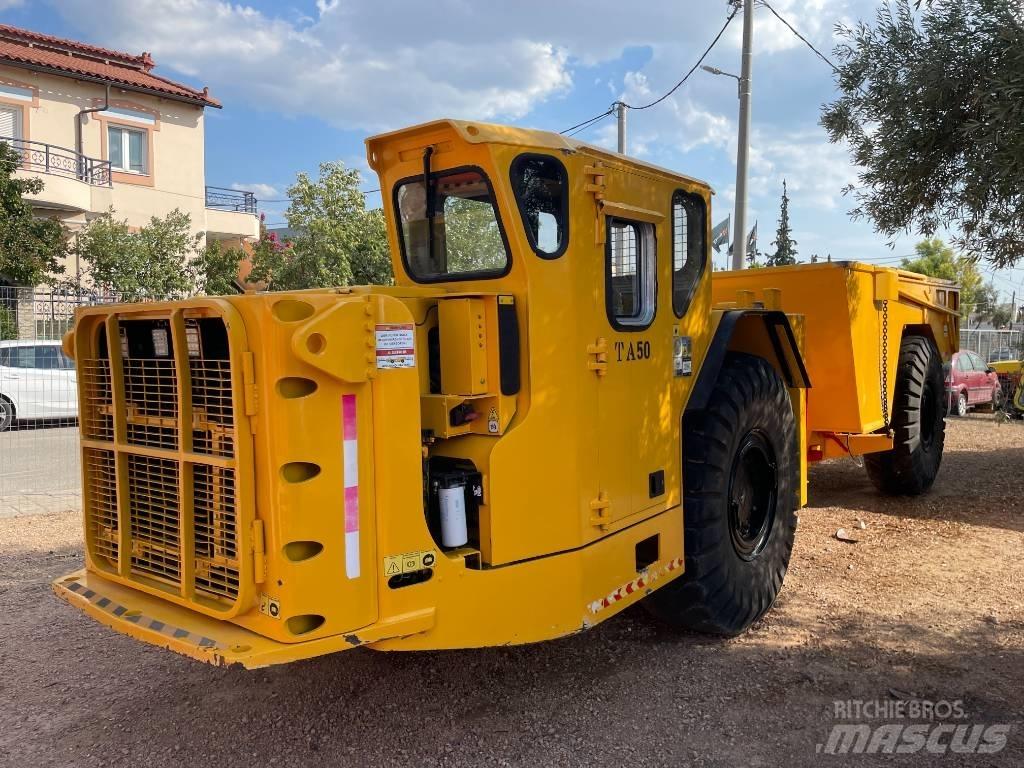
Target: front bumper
161, 623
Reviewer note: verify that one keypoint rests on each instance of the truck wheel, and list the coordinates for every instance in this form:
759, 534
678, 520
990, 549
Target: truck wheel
6, 413
741, 485
917, 423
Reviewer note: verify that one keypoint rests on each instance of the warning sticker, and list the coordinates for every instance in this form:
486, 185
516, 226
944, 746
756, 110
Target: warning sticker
270, 606
395, 348
410, 562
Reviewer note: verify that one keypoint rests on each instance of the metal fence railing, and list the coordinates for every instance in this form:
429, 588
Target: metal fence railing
223, 199
992, 344
60, 161
39, 455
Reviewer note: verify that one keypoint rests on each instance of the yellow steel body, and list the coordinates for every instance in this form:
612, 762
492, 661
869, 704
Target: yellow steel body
565, 473
844, 306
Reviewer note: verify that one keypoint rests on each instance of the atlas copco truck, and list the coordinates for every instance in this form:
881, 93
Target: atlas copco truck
555, 412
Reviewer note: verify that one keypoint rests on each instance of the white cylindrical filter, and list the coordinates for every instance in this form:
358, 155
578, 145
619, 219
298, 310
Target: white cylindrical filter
453, 516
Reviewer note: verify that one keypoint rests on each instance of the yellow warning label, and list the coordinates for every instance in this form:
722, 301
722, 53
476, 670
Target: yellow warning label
270, 606
409, 562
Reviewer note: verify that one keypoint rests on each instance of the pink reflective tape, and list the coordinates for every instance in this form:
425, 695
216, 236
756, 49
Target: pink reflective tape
352, 509
348, 417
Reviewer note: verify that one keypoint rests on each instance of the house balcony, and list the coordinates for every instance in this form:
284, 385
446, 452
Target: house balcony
73, 179
231, 214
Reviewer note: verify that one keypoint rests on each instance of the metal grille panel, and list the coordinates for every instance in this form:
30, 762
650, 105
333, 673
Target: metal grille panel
98, 418
101, 476
216, 543
213, 414
153, 508
151, 395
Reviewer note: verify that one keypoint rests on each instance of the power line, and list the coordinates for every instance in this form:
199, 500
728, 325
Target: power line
579, 127
805, 41
289, 199
693, 69
587, 123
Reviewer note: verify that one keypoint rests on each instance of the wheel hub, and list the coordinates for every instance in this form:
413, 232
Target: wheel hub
753, 493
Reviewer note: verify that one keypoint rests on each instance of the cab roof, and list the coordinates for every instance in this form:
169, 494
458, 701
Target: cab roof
473, 132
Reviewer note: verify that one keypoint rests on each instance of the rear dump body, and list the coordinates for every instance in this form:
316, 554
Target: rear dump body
855, 316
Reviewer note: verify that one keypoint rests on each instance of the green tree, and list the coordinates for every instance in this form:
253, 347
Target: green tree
936, 259
8, 328
339, 242
153, 262
785, 245
929, 106
216, 269
472, 238
31, 248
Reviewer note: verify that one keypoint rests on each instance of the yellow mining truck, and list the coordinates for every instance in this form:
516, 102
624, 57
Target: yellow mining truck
555, 412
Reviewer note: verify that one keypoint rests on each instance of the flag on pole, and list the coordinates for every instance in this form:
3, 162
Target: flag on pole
720, 234
752, 240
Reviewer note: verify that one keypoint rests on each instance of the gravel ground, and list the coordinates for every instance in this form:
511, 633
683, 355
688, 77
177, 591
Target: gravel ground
927, 603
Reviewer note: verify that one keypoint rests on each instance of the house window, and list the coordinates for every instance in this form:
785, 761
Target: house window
128, 149
631, 279
10, 122
688, 248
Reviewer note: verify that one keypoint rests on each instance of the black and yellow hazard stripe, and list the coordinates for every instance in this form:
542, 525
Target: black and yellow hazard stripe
137, 618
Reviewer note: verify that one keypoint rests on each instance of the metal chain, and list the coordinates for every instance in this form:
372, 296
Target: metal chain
885, 363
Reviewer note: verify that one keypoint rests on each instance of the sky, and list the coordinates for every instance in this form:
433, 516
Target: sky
306, 81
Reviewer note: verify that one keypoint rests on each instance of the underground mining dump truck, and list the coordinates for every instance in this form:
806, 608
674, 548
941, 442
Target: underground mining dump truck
555, 412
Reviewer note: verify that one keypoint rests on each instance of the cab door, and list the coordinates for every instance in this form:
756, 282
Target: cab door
652, 271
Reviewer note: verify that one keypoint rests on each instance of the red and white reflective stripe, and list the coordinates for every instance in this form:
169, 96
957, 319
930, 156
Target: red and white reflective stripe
636, 585
351, 456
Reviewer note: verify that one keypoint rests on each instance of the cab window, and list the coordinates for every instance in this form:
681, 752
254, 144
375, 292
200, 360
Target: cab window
631, 281
454, 232
541, 188
689, 223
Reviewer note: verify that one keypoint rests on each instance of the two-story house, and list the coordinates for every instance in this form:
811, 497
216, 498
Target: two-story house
104, 130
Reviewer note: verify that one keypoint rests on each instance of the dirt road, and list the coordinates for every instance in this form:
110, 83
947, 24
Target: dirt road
927, 604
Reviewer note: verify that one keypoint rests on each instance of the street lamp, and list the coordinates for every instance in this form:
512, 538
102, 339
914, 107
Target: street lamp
717, 71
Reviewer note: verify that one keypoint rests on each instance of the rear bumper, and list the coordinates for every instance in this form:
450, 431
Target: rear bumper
161, 623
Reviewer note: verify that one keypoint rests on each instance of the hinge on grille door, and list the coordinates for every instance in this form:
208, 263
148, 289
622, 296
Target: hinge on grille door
598, 357
249, 383
259, 553
597, 188
600, 511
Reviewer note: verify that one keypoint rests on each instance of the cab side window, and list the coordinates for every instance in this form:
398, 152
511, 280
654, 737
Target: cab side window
541, 187
689, 224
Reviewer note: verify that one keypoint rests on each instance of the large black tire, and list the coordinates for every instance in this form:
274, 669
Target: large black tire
919, 429
741, 474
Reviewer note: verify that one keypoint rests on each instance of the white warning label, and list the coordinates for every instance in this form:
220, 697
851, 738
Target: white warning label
395, 347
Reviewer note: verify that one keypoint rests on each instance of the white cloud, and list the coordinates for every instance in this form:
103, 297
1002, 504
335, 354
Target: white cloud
8, 4
351, 67
262, 191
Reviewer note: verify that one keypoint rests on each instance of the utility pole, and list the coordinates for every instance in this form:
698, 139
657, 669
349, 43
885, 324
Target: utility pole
620, 114
739, 246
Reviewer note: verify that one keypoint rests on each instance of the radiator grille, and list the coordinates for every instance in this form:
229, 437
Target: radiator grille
156, 458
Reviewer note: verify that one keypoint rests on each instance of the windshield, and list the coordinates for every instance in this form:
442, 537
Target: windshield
465, 238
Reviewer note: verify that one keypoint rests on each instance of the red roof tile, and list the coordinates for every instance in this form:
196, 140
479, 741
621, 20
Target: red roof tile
22, 47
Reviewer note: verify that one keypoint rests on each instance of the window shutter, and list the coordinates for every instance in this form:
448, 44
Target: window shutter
10, 122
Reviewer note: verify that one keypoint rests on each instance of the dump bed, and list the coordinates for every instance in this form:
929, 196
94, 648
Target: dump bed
855, 315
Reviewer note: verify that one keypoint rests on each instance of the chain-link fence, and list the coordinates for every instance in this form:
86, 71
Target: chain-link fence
39, 458
993, 345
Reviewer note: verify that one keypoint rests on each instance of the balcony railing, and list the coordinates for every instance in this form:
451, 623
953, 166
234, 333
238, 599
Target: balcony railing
223, 199
60, 161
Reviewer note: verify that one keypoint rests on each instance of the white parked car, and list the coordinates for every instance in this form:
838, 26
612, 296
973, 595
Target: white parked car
37, 381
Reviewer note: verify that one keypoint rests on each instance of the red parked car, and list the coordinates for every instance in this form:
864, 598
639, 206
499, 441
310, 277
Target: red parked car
970, 382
